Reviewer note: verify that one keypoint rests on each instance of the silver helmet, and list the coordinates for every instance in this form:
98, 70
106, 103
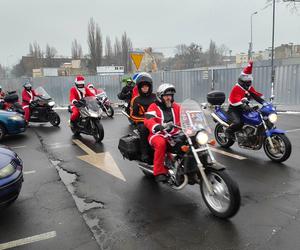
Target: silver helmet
165, 89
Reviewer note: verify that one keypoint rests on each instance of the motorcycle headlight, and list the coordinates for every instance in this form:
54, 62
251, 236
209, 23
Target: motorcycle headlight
17, 118
7, 171
202, 138
272, 118
93, 114
52, 103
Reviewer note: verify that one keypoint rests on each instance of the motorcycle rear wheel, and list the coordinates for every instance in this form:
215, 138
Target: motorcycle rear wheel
222, 140
226, 200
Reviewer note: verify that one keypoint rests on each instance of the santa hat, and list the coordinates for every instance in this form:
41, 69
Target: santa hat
246, 74
90, 85
79, 79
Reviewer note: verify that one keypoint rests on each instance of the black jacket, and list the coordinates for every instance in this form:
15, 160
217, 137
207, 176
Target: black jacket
125, 93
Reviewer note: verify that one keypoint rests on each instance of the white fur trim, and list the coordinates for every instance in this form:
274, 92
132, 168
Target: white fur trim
24, 107
152, 129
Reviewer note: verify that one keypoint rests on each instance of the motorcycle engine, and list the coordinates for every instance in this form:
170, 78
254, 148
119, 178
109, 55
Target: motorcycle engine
247, 137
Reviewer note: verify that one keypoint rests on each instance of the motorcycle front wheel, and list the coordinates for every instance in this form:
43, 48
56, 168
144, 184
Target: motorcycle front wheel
98, 132
109, 111
226, 200
282, 148
54, 119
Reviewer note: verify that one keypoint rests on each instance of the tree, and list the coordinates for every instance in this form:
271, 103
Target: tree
2, 72
126, 47
50, 52
117, 52
37, 55
95, 44
108, 51
213, 56
76, 50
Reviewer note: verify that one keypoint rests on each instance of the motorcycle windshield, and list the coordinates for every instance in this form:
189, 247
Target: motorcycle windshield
192, 118
43, 92
101, 95
91, 103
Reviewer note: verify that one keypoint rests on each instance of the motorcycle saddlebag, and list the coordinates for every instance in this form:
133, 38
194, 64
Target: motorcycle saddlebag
11, 98
216, 97
129, 147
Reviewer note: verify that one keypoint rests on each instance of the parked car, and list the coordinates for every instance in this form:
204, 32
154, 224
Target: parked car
11, 123
11, 176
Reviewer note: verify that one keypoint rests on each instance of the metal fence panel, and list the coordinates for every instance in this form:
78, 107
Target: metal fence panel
193, 84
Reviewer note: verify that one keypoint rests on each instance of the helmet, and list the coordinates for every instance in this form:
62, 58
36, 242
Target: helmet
165, 89
0, 87
79, 81
27, 85
136, 76
129, 81
245, 79
144, 80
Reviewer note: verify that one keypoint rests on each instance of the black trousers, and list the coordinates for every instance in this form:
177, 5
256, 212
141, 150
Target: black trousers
144, 133
235, 114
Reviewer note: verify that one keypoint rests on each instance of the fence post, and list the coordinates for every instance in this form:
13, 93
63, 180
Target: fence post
212, 80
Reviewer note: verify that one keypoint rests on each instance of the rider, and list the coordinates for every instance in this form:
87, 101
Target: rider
163, 111
238, 97
28, 95
138, 108
92, 88
136, 76
126, 93
78, 92
2, 95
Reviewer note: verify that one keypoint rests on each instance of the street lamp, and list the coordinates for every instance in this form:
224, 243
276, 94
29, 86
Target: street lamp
251, 44
272, 55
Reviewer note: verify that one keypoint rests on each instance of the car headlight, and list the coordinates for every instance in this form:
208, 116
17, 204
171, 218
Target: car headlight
7, 171
272, 118
52, 103
202, 138
17, 118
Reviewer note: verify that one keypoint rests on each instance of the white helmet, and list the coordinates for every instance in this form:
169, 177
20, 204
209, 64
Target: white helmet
165, 89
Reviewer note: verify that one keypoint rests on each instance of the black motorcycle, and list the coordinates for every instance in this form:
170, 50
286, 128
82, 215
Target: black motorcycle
189, 161
89, 122
41, 108
105, 104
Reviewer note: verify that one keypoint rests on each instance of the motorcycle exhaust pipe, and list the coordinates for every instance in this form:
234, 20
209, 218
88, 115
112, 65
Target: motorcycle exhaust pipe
217, 118
146, 169
184, 183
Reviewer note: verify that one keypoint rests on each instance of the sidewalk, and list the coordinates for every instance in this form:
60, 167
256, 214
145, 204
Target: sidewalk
288, 108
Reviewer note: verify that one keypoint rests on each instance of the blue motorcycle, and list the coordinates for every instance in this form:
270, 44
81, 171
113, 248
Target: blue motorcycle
258, 131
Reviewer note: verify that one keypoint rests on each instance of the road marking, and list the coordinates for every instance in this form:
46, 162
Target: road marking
18, 147
58, 145
29, 172
28, 240
292, 130
103, 161
228, 154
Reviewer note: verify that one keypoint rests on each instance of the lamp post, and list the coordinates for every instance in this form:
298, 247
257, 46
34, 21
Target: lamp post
272, 55
251, 43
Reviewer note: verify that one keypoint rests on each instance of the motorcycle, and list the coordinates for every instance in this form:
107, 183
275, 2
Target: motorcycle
126, 111
89, 120
105, 104
41, 108
259, 129
11, 102
189, 161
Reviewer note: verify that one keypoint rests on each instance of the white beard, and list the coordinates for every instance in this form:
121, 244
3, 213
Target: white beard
82, 90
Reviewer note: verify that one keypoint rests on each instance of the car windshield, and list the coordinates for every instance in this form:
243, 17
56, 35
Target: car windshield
43, 92
193, 118
92, 103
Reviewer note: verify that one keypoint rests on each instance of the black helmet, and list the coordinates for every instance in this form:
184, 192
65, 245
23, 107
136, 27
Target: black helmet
144, 80
27, 85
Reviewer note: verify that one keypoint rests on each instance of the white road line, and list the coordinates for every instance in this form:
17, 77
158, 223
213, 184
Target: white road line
29, 172
238, 157
18, 147
28, 240
292, 130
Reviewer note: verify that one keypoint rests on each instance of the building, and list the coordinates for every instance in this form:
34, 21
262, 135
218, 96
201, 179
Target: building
287, 51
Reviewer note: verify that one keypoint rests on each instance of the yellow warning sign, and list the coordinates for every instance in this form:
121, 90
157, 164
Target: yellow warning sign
137, 58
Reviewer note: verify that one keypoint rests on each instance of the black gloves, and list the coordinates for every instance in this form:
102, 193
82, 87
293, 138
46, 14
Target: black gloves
246, 108
159, 128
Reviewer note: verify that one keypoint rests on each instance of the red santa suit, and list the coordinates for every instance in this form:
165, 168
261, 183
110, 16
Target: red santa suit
76, 95
238, 94
156, 115
27, 98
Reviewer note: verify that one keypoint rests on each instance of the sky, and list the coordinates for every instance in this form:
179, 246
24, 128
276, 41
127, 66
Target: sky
161, 24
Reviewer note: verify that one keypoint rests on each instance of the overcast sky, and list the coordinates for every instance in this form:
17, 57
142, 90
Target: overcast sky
156, 23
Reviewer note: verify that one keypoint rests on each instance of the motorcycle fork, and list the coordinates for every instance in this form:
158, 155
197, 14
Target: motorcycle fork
200, 165
268, 137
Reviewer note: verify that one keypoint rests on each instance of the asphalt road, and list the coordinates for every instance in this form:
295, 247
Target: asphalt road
101, 201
